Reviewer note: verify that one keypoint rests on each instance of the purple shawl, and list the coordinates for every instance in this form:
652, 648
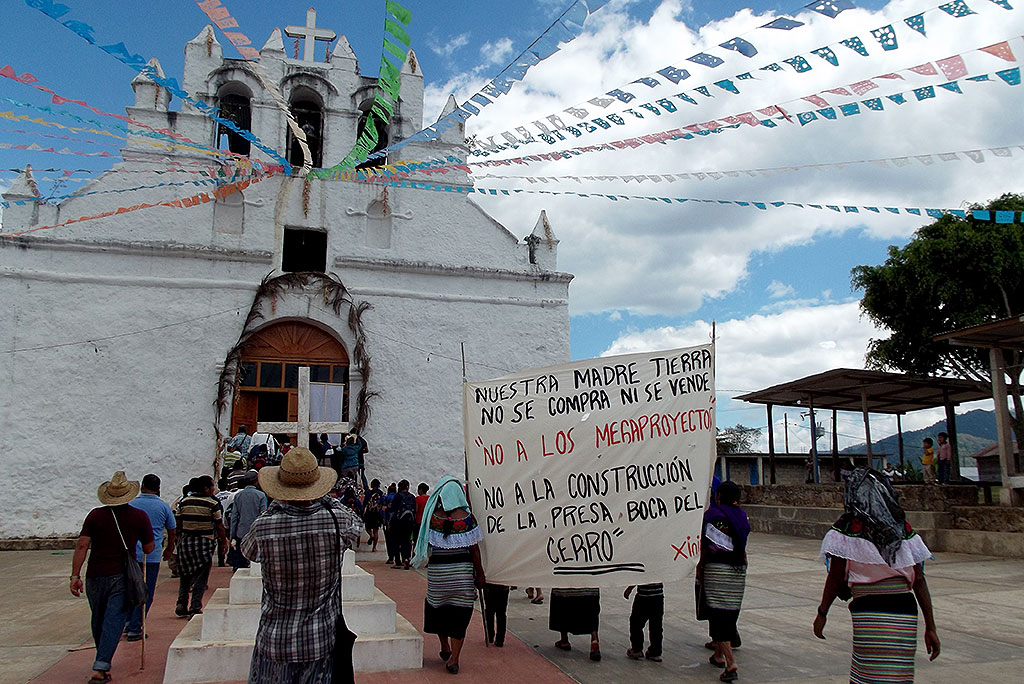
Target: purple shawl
739, 526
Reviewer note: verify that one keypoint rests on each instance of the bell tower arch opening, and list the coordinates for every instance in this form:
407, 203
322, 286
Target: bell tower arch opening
308, 109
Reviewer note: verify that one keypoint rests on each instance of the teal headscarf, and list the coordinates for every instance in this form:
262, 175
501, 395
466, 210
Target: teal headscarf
450, 493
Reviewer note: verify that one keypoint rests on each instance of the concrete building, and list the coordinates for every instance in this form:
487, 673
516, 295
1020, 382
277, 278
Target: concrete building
137, 340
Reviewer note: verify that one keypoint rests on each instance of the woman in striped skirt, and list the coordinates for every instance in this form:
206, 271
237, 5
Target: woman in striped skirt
576, 611
449, 537
875, 557
722, 572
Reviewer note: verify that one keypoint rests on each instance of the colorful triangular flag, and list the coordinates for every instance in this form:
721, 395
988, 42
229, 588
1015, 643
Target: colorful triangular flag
916, 22
957, 8
856, 44
886, 37
798, 63
826, 54
830, 8
953, 67
783, 24
741, 46
1001, 50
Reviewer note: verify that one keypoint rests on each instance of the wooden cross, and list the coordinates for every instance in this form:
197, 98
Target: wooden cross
310, 33
303, 427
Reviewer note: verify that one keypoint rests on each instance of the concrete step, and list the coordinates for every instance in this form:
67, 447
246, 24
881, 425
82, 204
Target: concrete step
920, 520
356, 585
191, 660
981, 542
225, 621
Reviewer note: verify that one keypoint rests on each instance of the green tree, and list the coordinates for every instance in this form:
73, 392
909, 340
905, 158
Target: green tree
954, 273
738, 439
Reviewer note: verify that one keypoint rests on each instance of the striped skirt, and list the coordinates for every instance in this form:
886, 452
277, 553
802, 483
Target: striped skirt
884, 632
451, 593
723, 586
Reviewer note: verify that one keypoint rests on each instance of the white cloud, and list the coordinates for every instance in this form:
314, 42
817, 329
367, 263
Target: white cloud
447, 48
615, 316
777, 289
497, 53
652, 258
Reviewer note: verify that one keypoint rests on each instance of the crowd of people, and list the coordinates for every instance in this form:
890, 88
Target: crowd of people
297, 516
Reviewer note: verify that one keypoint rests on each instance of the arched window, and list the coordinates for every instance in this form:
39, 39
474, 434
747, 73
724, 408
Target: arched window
308, 113
382, 138
236, 107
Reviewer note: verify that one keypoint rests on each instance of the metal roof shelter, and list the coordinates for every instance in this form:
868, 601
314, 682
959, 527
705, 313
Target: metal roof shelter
998, 336
867, 391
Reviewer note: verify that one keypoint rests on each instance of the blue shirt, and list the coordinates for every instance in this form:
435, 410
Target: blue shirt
160, 517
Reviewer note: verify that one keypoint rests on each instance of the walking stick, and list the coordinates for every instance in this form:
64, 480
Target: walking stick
483, 614
145, 601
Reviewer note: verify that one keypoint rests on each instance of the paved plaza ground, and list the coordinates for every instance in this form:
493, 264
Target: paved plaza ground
978, 602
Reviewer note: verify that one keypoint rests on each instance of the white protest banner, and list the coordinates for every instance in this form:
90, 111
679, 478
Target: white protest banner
593, 473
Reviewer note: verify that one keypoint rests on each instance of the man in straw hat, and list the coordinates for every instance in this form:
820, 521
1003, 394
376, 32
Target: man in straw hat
300, 540
109, 531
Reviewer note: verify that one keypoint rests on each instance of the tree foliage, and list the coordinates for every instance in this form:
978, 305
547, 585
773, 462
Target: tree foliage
954, 273
738, 439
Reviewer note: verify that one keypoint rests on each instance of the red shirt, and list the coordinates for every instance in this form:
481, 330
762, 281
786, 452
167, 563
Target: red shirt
106, 555
421, 503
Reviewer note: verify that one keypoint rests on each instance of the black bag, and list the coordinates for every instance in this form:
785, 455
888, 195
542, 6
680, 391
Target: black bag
135, 592
343, 671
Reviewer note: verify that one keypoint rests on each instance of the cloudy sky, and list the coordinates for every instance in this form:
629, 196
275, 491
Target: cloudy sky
653, 275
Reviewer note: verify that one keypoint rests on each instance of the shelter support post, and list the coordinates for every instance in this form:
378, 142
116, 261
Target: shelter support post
835, 446
814, 439
899, 438
1010, 495
771, 446
867, 426
951, 435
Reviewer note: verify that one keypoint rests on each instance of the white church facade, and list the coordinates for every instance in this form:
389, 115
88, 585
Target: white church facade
137, 341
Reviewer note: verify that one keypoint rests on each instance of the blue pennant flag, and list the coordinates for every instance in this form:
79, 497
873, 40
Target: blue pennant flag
886, 37
648, 81
771, 67
981, 214
934, 213
874, 103
1011, 76
1005, 4
726, 84
959, 213
874, 209
1005, 216
830, 8
826, 54
832, 207
741, 46
892, 210
685, 97
912, 210
760, 205
768, 123
979, 79
952, 87
850, 109
898, 98
703, 90
916, 22
705, 59
744, 76
856, 44
850, 210
806, 117
828, 113
783, 24
799, 63
957, 8
924, 93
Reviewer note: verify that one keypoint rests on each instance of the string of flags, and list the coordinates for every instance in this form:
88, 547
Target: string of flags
55, 11
977, 156
774, 113
563, 30
583, 122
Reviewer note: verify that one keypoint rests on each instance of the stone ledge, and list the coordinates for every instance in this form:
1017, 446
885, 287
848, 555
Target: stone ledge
38, 544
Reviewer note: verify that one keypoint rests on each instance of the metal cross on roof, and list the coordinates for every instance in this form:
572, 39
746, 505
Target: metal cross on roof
310, 33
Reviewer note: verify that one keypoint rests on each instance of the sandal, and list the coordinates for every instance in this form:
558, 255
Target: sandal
563, 645
445, 655
452, 668
730, 675
537, 600
100, 680
716, 663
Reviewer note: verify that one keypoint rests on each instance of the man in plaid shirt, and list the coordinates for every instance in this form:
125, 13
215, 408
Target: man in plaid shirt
299, 541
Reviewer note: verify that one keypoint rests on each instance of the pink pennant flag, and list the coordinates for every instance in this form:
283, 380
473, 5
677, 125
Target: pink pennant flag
890, 76
1000, 50
693, 128
731, 120
953, 67
926, 69
769, 111
839, 91
7, 71
861, 87
749, 118
816, 100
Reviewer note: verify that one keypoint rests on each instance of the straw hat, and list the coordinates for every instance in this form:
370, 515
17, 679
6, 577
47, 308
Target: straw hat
298, 478
117, 490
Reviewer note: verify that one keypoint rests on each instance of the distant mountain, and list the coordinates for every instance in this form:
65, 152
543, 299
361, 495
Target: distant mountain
975, 431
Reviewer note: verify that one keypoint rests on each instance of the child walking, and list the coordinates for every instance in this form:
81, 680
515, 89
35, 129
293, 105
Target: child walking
648, 609
496, 610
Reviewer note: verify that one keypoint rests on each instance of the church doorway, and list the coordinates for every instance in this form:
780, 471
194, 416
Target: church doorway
269, 386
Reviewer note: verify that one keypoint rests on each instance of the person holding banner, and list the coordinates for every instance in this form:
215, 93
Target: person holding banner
576, 611
722, 570
448, 542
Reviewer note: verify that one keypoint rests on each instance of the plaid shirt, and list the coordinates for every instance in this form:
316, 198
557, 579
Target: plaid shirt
298, 548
